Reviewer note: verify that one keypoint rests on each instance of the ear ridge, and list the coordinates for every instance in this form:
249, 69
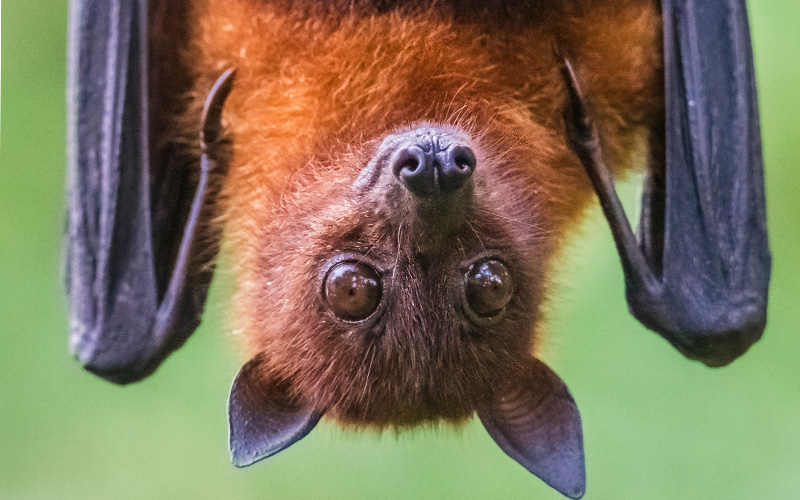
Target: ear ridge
536, 422
263, 417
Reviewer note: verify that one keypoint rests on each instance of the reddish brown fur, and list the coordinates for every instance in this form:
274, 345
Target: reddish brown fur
314, 95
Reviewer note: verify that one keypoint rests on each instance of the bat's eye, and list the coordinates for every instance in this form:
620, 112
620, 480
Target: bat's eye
352, 290
488, 287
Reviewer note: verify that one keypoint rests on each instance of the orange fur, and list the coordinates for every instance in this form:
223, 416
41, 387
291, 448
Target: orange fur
314, 95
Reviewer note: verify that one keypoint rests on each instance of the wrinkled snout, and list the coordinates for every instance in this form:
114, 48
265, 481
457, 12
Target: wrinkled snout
430, 161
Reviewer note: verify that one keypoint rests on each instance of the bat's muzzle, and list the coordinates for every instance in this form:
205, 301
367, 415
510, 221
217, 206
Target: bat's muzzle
431, 162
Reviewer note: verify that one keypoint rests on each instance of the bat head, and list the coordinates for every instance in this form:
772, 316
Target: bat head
401, 287
394, 208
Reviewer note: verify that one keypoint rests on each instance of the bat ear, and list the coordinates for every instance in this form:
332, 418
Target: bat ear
264, 417
536, 422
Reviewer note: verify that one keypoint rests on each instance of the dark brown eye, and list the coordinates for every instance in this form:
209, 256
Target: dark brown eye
488, 287
352, 290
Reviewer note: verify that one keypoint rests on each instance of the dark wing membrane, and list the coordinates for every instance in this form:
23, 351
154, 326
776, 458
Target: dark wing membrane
110, 277
715, 263
125, 318
699, 276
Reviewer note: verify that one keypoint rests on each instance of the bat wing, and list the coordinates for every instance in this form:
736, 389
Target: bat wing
700, 274
135, 283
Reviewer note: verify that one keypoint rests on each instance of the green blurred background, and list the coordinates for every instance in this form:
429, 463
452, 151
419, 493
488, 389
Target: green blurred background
656, 425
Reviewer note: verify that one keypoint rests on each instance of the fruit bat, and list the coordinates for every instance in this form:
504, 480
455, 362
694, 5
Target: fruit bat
392, 181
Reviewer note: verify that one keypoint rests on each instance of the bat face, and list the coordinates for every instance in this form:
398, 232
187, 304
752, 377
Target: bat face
387, 307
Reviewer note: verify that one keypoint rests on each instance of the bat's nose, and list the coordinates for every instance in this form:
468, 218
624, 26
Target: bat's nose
431, 162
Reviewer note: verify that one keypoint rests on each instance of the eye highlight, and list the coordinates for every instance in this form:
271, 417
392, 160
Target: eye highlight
489, 287
352, 290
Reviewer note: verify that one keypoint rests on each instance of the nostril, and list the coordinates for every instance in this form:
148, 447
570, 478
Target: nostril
458, 168
463, 159
415, 170
408, 161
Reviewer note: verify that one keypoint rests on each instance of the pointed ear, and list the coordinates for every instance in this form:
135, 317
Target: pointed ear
536, 422
264, 418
